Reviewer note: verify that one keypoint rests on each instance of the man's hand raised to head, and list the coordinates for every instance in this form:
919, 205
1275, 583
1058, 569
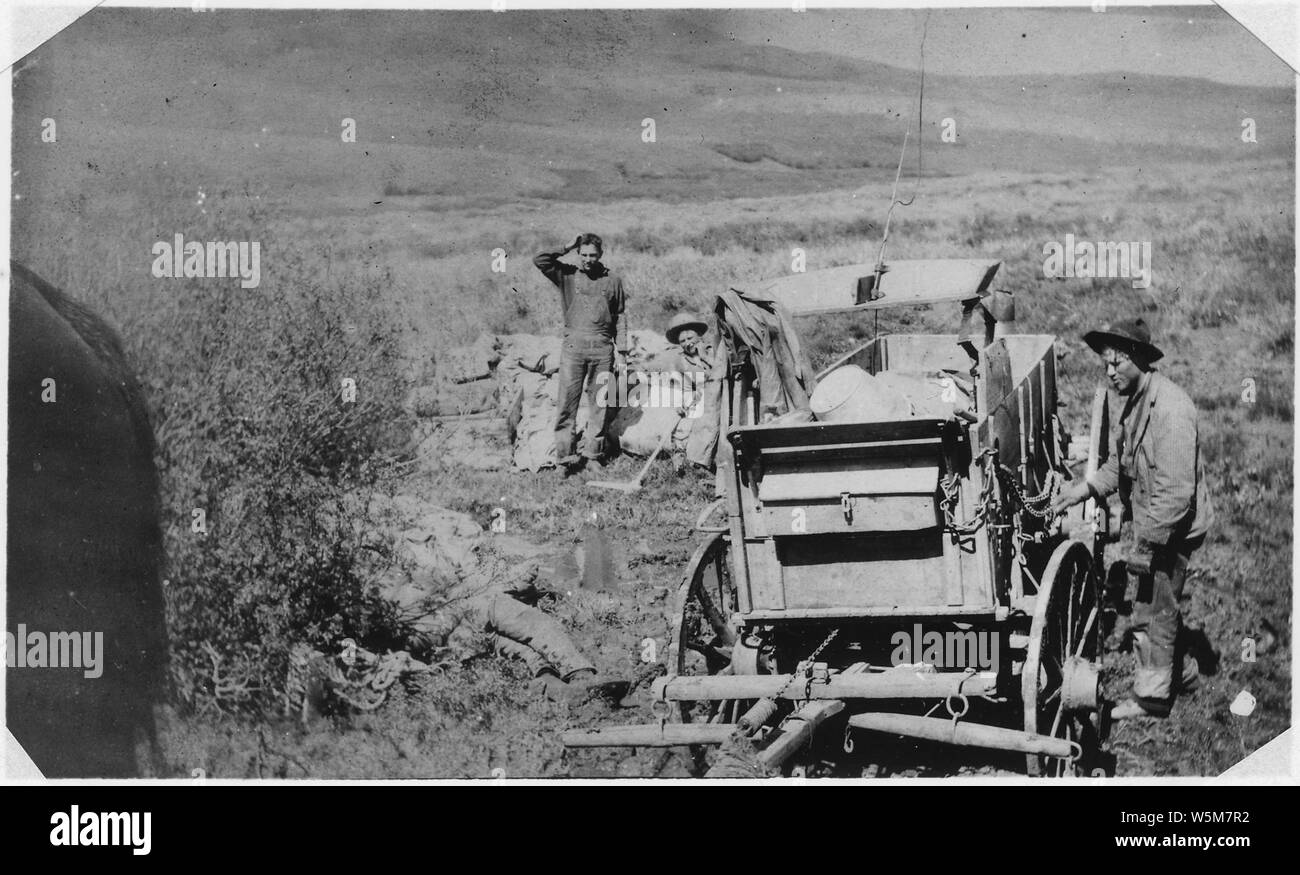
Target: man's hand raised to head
576, 244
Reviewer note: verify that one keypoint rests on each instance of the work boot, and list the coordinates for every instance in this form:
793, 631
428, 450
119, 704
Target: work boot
551, 687
571, 464
1191, 675
585, 685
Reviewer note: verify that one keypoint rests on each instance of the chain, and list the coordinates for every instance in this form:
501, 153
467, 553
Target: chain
799, 667
1035, 505
952, 496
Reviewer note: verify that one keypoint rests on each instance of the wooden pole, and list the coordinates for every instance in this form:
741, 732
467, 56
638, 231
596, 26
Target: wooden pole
882, 685
756, 716
1098, 441
964, 734
650, 735
798, 730
884, 238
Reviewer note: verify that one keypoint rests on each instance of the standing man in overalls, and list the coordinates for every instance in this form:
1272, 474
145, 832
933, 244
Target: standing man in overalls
593, 300
1159, 473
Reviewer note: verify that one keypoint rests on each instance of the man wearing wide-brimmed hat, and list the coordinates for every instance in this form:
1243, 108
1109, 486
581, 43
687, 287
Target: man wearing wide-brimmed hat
703, 368
1160, 476
686, 332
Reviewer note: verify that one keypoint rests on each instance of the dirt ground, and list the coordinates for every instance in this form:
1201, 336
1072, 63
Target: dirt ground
483, 134
485, 718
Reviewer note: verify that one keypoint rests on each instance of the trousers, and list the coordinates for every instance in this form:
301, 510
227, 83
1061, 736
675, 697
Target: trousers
582, 360
537, 638
1157, 624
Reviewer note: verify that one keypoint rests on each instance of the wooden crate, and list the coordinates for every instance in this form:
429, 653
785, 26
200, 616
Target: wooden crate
845, 519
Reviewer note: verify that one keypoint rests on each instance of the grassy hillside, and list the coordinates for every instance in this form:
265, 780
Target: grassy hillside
475, 108
518, 131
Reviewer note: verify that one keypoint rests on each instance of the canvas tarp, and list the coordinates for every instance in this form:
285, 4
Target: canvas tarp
759, 330
523, 387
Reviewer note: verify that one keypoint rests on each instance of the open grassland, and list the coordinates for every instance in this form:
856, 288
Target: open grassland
493, 135
415, 281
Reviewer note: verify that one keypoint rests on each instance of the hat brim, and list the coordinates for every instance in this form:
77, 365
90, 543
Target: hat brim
1099, 340
675, 332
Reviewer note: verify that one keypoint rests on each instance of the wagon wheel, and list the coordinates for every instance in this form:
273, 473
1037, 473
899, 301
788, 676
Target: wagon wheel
702, 641
1064, 631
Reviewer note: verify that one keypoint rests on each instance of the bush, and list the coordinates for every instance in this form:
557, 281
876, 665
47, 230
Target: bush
257, 433
245, 389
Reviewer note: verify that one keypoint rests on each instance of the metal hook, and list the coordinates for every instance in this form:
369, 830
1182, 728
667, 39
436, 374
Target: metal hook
965, 706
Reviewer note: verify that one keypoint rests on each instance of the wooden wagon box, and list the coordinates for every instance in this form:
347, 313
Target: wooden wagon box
839, 534
847, 519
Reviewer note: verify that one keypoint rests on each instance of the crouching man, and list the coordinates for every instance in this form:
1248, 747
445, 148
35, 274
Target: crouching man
1159, 474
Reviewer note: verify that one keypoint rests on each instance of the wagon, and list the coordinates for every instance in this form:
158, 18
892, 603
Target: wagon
865, 580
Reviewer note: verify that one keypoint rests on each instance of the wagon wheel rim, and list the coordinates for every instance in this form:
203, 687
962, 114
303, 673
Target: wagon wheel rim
1065, 626
702, 638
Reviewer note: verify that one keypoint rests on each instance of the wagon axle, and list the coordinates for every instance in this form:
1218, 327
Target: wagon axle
842, 685
826, 698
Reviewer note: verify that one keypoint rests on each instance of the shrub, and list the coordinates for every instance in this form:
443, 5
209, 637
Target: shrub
256, 432
245, 390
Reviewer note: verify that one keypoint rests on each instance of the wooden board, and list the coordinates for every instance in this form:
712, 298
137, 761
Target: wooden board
814, 480
840, 572
1018, 398
764, 575
753, 438
890, 513
904, 284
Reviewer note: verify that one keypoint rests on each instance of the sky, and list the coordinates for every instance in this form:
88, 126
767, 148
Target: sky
1199, 41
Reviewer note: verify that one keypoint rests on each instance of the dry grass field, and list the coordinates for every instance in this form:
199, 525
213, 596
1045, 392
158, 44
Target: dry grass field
479, 132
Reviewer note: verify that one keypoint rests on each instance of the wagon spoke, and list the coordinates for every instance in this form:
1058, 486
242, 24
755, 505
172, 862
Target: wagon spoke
1085, 631
1063, 628
1056, 720
1068, 619
1052, 669
1061, 638
715, 610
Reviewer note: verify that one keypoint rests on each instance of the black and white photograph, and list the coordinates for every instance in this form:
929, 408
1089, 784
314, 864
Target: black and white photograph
631, 395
